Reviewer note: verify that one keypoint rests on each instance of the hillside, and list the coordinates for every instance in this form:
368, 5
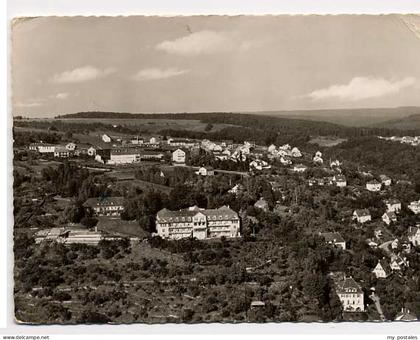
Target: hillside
407, 123
347, 117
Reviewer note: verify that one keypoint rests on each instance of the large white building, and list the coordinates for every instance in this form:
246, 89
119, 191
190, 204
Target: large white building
124, 156
106, 206
349, 292
198, 223
178, 157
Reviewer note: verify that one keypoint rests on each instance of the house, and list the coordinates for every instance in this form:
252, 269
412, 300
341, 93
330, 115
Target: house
362, 215
205, 171
106, 138
261, 204
414, 207
257, 304
394, 244
178, 157
198, 223
124, 156
413, 235
340, 181
349, 292
382, 269
221, 155
385, 180
91, 151
335, 239
182, 142
300, 168
295, 152
397, 263
271, 148
61, 152
71, 146
393, 205
318, 160
259, 164
285, 160
237, 189
43, 147
405, 315
137, 140
105, 206
389, 217
373, 185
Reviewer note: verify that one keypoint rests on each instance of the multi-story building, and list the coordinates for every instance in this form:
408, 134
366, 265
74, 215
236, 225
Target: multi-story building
393, 205
106, 206
178, 157
199, 223
373, 185
124, 156
349, 292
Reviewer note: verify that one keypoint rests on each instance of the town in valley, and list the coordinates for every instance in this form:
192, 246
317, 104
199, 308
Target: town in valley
133, 222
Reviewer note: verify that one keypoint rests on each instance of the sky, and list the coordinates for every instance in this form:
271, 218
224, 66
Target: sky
213, 63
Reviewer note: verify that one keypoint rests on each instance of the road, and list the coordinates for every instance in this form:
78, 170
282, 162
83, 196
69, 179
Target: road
375, 299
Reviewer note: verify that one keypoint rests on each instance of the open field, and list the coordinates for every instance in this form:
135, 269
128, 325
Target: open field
116, 226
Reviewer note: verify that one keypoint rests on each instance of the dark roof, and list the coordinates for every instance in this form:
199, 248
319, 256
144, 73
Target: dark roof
186, 215
385, 266
332, 237
345, 284
362, 212
104, 201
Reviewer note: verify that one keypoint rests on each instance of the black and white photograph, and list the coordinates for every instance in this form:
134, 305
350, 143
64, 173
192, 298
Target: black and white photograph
230, 169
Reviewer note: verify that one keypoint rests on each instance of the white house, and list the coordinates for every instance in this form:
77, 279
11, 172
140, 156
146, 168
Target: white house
271, 148
349, 292
382, 269
340, 181
124, 156
385, 180
300, 168
91, 151
414, 207
389, 217
71, 146
296, 152
106, 138
137, 140
393, 205
285, 160
373, 186
46, 148
413, 235
259, 164
205, 171
61, 152
261, 204
318, 160
398, 263
362, 215
334, 239
105, 206
178, 157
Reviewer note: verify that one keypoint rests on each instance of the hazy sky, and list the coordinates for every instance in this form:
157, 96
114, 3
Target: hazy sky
209, 63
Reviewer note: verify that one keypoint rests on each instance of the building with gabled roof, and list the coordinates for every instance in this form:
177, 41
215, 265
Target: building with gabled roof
261, 204
362, 215
405, 315
373, 185
382, 269
393, 205
389, 217
414, 207
105, 206
198, 223
349, 292
335, 239
413, 235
